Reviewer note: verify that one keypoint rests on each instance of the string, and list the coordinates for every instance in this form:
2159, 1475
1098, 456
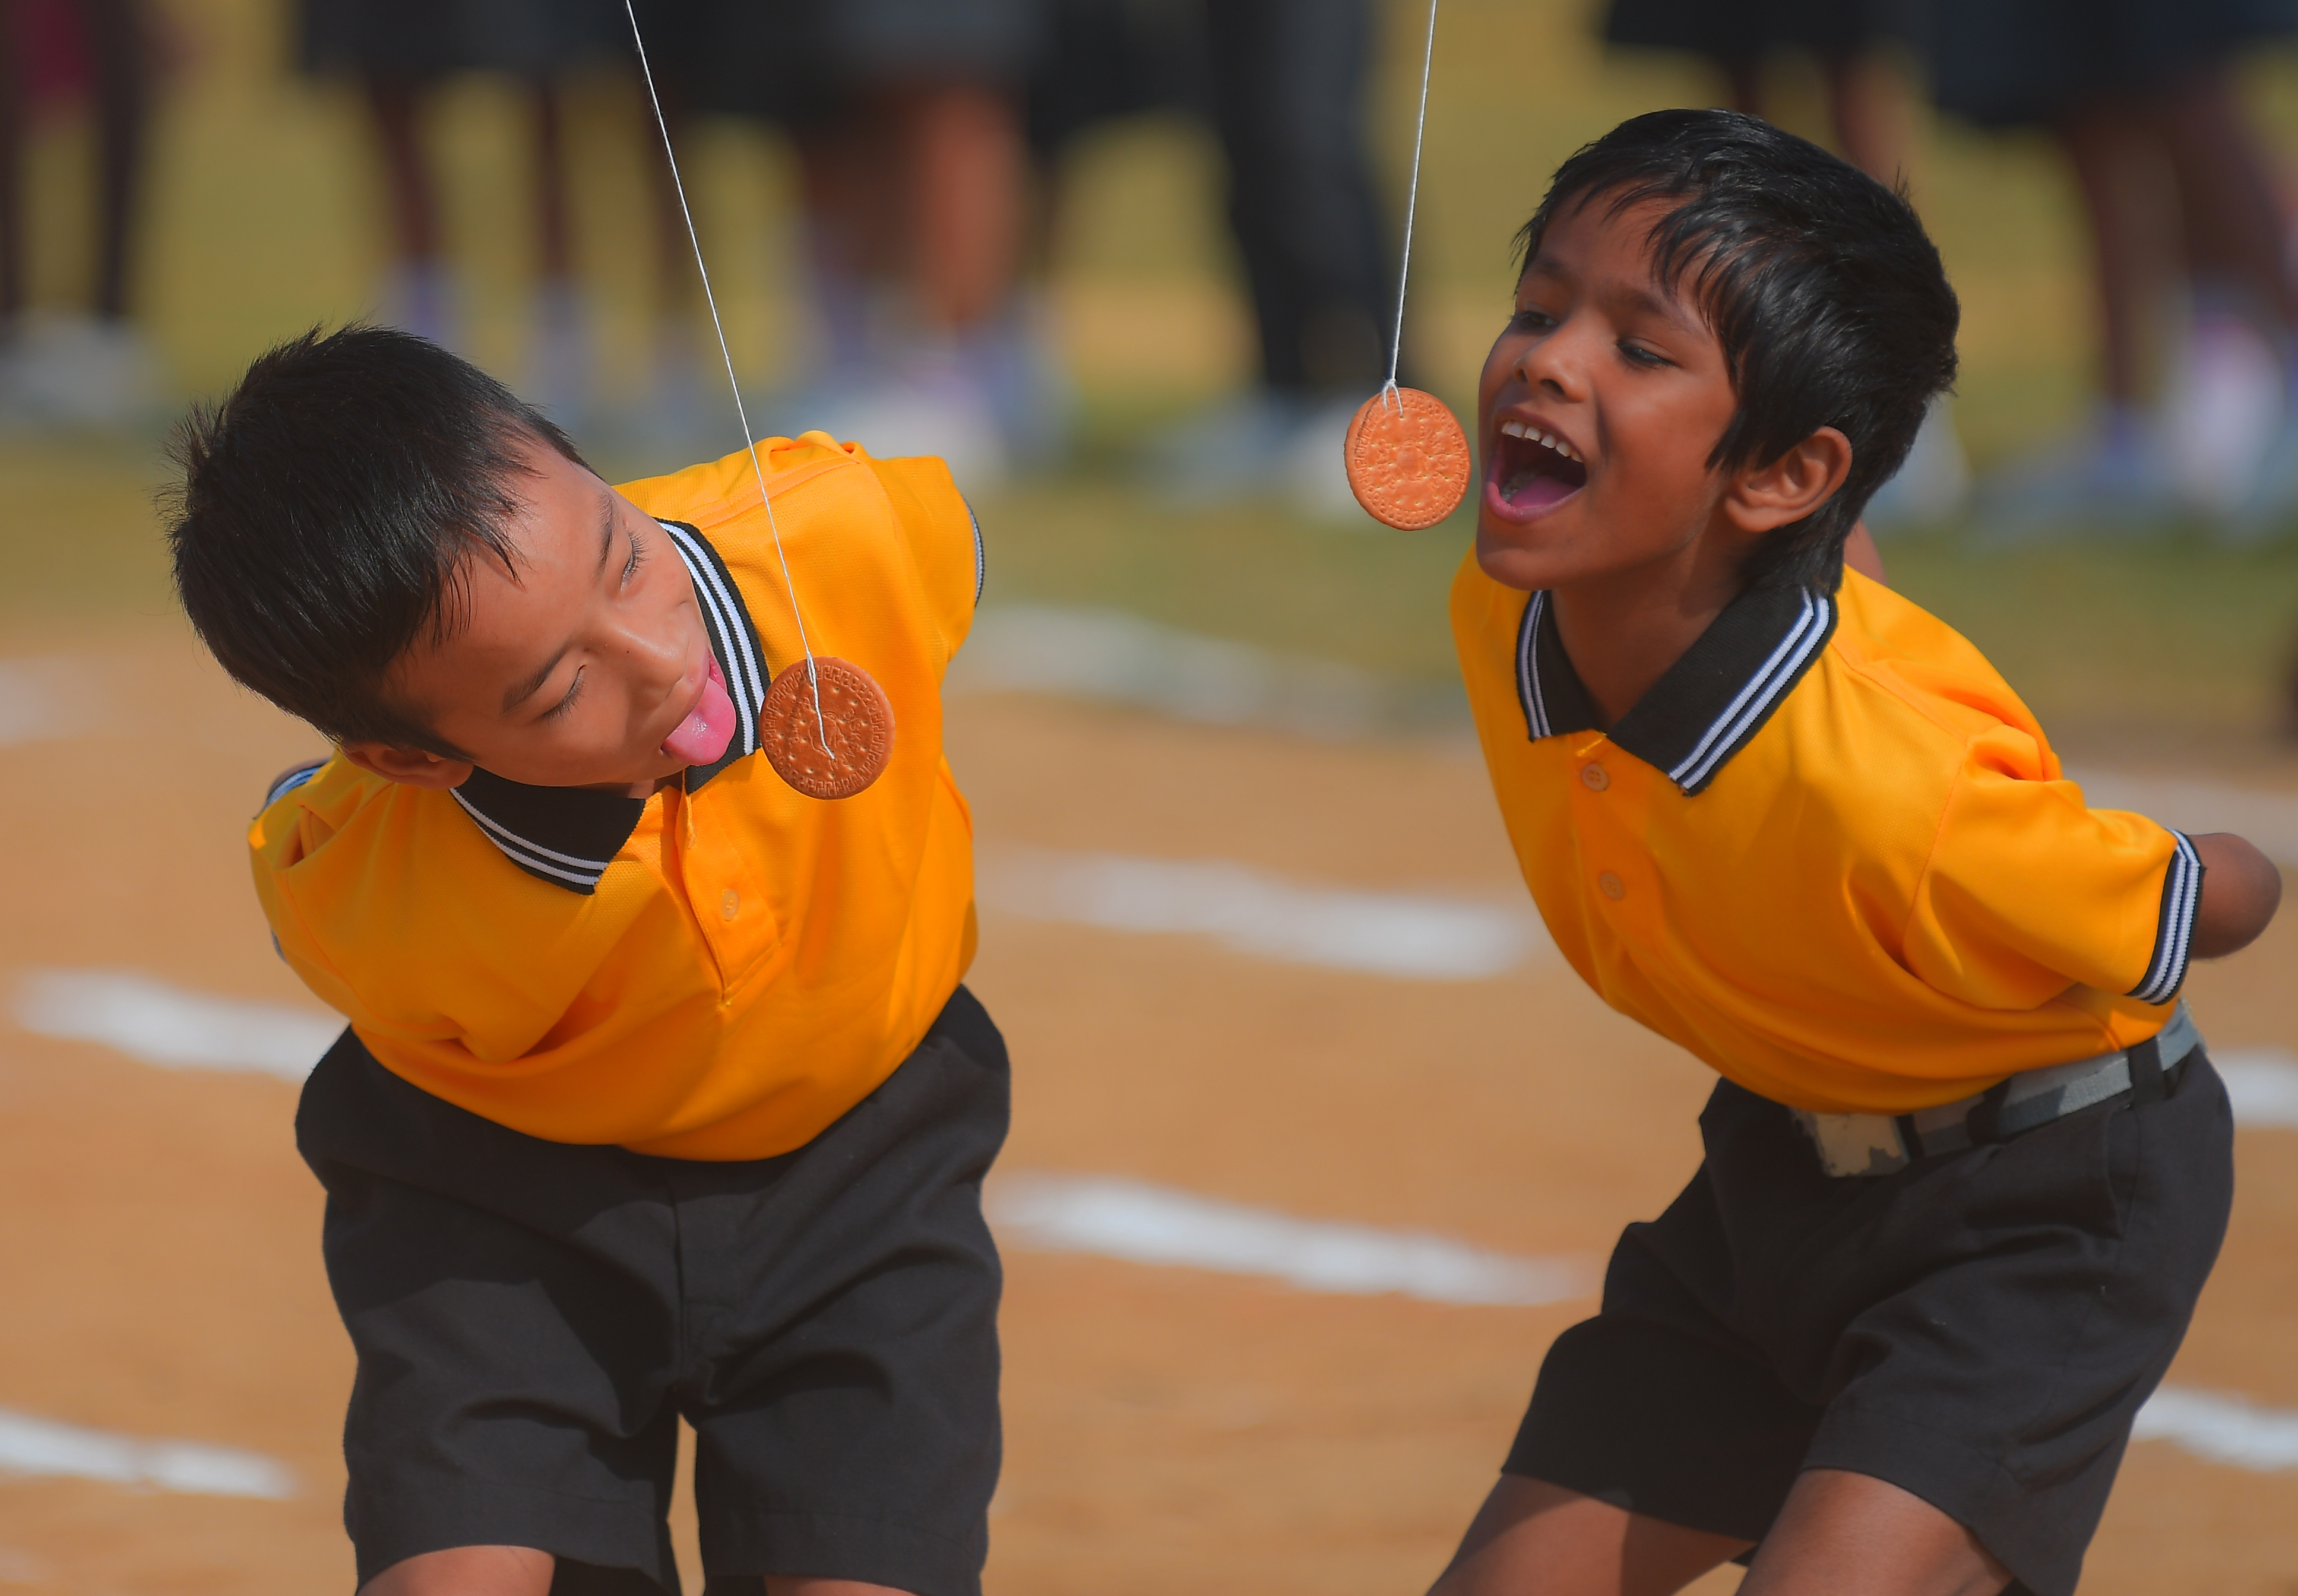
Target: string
1411, 203
789, 586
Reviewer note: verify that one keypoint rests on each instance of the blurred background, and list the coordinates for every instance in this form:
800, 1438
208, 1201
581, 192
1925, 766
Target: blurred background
1248, 917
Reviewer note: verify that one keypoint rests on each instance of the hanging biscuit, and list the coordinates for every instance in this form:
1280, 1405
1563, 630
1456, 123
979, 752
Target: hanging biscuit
1407, 458
838, 753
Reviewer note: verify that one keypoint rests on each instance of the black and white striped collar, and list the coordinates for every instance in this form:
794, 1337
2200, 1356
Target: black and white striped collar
1709, 702
567, 836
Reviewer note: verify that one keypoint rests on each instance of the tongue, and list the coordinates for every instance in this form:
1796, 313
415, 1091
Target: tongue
703, 736
1532, 490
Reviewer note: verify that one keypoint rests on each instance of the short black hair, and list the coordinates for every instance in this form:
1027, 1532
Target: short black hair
327, 511
1828, 298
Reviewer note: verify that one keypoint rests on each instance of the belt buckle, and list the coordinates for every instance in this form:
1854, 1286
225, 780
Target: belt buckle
1852, 1145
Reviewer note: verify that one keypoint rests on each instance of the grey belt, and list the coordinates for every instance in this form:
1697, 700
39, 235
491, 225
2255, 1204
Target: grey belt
1879, 1143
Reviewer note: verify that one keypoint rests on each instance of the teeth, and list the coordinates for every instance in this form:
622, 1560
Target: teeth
1517, 429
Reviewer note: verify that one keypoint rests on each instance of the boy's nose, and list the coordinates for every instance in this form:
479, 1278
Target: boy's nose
659, 653
1555, 364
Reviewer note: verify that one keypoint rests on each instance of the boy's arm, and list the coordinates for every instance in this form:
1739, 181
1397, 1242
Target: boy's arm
2241, 889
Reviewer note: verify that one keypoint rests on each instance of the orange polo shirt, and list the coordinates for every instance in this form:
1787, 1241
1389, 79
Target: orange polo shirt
1829, 853
716, 971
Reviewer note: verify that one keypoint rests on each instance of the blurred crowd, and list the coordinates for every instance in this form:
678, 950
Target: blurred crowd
930, 136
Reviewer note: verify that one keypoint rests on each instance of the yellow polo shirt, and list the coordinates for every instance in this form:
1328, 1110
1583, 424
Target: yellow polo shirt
716, 971
1829, 853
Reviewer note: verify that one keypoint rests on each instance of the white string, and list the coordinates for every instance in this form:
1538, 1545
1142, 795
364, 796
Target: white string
821, 727
1411, 203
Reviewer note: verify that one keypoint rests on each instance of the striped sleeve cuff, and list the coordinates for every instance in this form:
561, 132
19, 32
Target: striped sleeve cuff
2182, 895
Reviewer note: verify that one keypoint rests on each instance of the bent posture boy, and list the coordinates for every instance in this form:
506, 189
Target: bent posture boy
1968, 1163
660, 1096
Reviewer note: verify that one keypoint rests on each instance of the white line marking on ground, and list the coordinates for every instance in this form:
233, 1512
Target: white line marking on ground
1108, 655
41, 1446
1415, 937
160, 1025
2220, 1428
1141, 1223
2263, 1083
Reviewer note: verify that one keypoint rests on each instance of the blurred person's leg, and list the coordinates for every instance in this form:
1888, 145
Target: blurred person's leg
394, 109
558, 359
88, 367
919, 185
554, 235
914, 175
419, 296
2111, 157
12, 95
961, 144
852, 184
2234, 227
1870, 102
685, 389
2235, 423
1288, 81
2114, 474
119, 58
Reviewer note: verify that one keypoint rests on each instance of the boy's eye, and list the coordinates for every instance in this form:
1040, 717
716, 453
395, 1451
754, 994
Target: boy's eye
637, 558
1531, 321
1638, 355
573, 690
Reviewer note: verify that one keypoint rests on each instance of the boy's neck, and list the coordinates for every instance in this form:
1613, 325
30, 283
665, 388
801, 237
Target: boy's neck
1622, 630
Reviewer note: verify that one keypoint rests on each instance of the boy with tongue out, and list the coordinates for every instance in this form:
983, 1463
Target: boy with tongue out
660, 1097
1968, 1163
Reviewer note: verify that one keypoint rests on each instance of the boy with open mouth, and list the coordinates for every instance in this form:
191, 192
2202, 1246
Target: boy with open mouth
1968, 1163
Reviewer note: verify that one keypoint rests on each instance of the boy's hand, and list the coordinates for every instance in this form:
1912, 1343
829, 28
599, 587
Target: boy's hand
2241, 889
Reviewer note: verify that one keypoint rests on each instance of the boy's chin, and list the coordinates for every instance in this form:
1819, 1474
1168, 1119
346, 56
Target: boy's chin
1512, 556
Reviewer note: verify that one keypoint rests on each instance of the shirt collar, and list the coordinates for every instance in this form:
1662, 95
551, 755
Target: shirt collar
567, 836
1707, 705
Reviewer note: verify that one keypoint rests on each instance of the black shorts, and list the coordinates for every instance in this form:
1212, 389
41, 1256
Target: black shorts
533, 1317
1979, 1329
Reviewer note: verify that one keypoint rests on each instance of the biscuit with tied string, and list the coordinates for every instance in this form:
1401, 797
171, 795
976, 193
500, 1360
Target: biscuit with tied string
1407, 458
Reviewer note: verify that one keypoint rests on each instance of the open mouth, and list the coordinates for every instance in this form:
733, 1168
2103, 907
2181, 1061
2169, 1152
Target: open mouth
1535, 470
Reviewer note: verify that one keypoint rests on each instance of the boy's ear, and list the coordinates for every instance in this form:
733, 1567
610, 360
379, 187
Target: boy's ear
413, 766
1792, 486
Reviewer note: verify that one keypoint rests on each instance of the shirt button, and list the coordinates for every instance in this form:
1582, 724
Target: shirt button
730, 903
1593, 777
1611, 885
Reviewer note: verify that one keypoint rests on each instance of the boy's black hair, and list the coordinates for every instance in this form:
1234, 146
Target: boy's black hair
1828, 298
328, 510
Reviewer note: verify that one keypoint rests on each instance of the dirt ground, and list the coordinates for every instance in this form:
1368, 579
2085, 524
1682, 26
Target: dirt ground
1169, 1429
